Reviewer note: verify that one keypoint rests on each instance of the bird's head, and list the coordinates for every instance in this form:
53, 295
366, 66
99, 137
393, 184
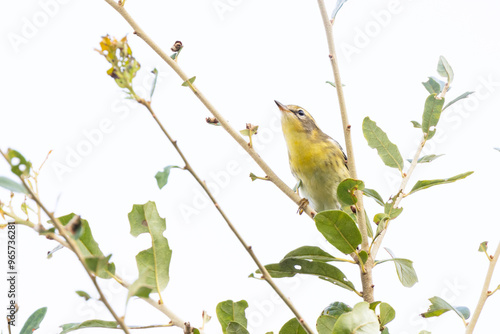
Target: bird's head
296, 119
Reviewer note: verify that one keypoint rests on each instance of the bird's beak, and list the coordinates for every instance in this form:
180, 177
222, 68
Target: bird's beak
282, 106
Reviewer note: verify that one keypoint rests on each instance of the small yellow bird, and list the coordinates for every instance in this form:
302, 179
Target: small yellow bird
317, 161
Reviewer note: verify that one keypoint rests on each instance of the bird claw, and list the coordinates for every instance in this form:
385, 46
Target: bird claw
302, 205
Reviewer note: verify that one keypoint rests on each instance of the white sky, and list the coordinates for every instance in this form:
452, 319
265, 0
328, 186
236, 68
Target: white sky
56, 94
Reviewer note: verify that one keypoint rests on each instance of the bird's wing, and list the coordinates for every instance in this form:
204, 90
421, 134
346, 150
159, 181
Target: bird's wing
341, 150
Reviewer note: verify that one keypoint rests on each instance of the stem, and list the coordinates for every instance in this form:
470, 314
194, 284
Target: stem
265, 273
376, 244
366, 274
73, 246
484, 293
232, 132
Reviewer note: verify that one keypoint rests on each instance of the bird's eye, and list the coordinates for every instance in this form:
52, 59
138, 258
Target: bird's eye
301, 112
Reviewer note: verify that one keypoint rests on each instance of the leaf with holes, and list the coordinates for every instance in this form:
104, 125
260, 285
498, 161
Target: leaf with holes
440, 306
346, 191
19, 165
432, 112
230, 312
292, 326
339, 229
162, 176
89, 247
424, 184
153, 263
311, 253
325, 271
361, 320
377, 139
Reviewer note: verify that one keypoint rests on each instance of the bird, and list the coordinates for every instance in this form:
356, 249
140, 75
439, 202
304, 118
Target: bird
317, 161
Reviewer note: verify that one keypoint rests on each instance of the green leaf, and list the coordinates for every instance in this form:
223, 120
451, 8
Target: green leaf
440, 306
310, 253
339, 229
363, 256
292, 326
427, 158
463, 96
153, 263
444, 69
325, 271
424, 332
19, 165
416, 124
387, 314
378, 140
346, 189
88, 246
231, 312
34, 321
424, 184
153, 87
361, 320
162, 176
483, 247
391, 211
95, 323
12, 185
83, 294
99, 265
432, 112
385, 331
404, 268
325, 324
432, 86
373, 305
333, 84
373, 194
236, 328
189, 81
329, 317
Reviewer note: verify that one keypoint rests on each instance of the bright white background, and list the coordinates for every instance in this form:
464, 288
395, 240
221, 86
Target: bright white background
56, 94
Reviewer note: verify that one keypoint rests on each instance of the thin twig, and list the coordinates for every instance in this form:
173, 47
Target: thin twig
265, 273
376, 244
484, 293
232, 132
366, 274
73, 246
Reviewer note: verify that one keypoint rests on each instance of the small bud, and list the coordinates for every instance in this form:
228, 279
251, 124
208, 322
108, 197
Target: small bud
213, 121
177, 46
253, 128
353, 208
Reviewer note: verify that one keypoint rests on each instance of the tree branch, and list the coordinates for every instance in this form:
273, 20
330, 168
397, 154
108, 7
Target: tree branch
267, 277
366, 274
232, 132
484, 293
73, 246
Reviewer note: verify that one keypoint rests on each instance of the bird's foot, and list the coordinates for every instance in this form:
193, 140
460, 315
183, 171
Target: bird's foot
302, 205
